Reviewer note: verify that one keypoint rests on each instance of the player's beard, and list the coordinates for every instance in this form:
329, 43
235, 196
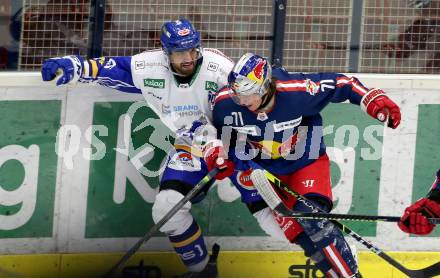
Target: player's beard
186, 68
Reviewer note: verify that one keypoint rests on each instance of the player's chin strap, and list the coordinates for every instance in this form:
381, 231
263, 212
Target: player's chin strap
261, 178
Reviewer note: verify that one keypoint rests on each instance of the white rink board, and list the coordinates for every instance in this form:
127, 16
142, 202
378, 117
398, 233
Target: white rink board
71, 185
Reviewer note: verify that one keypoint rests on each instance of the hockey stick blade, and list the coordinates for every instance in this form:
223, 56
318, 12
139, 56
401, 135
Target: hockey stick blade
196, 189
263, 183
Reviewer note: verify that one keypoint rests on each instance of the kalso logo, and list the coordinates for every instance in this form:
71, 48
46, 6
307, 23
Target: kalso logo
154, 83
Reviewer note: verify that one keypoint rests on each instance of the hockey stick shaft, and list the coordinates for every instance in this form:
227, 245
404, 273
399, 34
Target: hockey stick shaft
259, 176
352, 217
196, 189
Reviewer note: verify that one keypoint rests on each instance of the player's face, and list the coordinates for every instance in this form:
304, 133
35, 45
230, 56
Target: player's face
252, 102
184, 62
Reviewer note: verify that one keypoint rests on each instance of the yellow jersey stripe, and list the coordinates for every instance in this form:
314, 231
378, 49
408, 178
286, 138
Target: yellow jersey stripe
189, 240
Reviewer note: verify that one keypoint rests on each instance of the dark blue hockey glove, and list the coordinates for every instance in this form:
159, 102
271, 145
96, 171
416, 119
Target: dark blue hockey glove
61, 68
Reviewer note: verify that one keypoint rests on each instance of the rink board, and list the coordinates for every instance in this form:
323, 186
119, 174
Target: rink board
93, 199
231, 264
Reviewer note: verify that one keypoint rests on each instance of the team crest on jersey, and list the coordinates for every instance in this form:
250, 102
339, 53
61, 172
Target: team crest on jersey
244, 179
311, 87
183, 161
262, 116
211, 86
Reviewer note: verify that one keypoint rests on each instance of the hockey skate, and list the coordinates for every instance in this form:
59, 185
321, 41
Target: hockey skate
210, 270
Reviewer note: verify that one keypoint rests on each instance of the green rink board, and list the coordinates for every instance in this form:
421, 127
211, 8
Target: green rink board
105, 218
28, 125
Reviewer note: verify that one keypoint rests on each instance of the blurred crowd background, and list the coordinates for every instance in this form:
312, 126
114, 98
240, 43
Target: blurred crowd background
367, 36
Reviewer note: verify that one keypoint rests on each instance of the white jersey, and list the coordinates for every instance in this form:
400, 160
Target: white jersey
177, 104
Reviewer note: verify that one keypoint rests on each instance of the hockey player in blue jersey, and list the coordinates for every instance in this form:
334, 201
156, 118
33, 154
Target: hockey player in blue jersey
414, 219
274, 119
178, 82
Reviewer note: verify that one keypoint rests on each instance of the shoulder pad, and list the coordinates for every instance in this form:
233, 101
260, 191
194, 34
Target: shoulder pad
215, 52
149, 59
222, 94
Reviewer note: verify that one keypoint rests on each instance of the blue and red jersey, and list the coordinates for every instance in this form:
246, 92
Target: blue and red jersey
436, 184
289, 136
434, 193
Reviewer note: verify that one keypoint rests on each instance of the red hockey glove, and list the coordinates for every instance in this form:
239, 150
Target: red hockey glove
414, 220
215, 156
380, 107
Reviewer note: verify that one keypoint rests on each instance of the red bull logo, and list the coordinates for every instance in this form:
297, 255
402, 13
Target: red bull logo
287, 146
257, 73
276, 149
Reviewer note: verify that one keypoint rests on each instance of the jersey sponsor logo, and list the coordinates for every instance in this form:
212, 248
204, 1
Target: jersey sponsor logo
184, 161
311, 87
187, 107
188, 110
370, 96
211, 86
308, 183
287, 125
275, 149
166, 109
154, 83
252, 130
183, 32
213, 66
111, 63
154, 95
211, 99
244, 179
139, 65
101, 60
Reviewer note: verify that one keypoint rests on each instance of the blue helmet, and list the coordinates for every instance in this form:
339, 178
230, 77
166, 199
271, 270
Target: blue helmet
179, 35
251, 75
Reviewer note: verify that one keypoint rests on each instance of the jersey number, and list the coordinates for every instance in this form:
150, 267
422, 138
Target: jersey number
238, 118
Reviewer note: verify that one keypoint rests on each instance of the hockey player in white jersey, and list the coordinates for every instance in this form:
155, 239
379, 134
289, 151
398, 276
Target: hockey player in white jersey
178, 82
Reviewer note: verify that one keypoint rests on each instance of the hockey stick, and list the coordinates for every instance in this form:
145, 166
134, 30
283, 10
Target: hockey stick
196, 189
350, 217
261, 179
